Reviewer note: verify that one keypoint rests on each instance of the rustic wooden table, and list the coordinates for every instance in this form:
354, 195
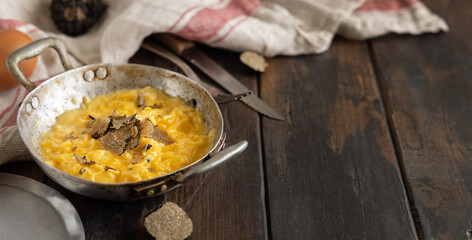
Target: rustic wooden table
377, 144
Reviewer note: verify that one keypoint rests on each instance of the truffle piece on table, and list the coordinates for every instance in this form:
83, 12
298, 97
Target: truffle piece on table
169, 222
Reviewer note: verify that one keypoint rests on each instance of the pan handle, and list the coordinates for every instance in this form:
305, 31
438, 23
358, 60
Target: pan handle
217, 159
213, 162
32, 50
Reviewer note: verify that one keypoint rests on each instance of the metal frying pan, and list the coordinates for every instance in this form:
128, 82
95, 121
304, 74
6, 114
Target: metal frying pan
65, 91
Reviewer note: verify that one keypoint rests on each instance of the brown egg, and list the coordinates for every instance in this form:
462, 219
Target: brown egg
11, 40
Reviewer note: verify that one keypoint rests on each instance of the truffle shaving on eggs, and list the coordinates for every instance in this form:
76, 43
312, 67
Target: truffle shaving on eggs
122, 133
127, 142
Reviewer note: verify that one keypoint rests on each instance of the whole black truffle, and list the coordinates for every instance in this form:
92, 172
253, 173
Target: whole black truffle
75, 17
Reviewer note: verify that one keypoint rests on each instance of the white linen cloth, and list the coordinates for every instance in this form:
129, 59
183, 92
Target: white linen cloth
271, 27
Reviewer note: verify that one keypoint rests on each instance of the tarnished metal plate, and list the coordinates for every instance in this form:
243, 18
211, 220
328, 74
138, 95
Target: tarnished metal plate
32, 210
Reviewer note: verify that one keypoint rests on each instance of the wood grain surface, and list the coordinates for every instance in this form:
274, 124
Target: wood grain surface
228, 202
427, 84
331, 168
376, 145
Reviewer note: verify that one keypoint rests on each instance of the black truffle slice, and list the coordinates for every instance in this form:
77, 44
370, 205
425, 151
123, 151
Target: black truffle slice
114, 114
140, 99
97, 127
113, 143
133, 142
109, 168
120, 121
70, 137
140, 153
161, 136
83, 160
126, 132
156, 105
145, 127
116, 141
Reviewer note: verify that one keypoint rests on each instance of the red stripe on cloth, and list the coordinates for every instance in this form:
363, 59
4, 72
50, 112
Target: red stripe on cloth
32, 31
4, 112
12, 120
186, 12
384, 5
10, 24
229, 31
208, 22
182, 16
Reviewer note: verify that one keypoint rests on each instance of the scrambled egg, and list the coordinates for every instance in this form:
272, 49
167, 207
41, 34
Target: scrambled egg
68, 137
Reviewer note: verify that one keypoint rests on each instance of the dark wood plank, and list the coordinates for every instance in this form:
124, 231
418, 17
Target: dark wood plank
26, 168
224, 203
331, 168
427, 85
228, 202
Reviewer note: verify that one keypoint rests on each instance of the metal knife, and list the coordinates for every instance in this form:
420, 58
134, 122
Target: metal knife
219, 96
189, 51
